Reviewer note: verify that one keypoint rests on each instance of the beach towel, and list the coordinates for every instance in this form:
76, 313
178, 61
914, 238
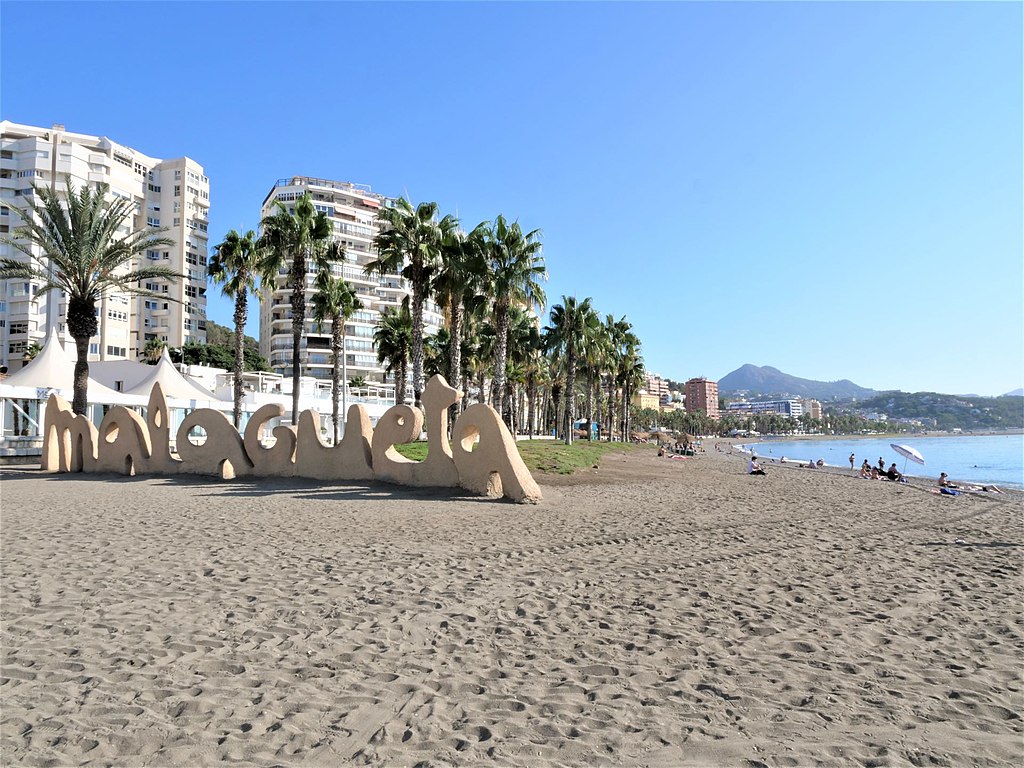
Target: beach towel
949, 492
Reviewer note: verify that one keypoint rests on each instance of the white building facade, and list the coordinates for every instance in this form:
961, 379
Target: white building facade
172, 194
352, 210
792, 408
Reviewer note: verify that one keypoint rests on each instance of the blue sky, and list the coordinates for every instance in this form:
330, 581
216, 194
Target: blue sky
834, 189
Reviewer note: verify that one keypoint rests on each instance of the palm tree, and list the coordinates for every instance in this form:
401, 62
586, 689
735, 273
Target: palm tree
523, 342
153, 350
515, 269
410, 243
620, 337
630, 376
456, 283
595, 350
84, 256
572, 322
293, 239
393, 339
335, 301
236, 264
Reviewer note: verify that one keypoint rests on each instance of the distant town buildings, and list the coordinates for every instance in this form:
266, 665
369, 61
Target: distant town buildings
644, 399
657, 386
172, 194
702, 396
812, 407
792, 408
352, 210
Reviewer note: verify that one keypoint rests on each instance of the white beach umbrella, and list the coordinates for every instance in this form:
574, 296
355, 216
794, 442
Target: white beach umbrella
907, 453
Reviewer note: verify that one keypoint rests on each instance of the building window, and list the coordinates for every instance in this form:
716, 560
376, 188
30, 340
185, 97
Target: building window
17, 328
116, 351
94, 349
152, 221
152, 187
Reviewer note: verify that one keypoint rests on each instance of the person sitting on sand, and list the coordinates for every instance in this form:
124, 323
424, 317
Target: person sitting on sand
810, 464
874, 473
821, 463
944, 481
753, 468
892, 473
865, 470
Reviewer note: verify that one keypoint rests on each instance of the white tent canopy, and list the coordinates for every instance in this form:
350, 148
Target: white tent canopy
54, 369
173, 383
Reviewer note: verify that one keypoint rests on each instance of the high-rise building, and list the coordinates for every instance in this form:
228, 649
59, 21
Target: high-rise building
352, 210
170, 194
702, 395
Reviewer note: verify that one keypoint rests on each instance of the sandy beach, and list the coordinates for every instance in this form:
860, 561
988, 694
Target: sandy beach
651, 612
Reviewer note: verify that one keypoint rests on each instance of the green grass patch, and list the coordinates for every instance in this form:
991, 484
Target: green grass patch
551, 456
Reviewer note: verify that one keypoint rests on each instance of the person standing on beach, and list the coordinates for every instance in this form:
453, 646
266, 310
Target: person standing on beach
853, 460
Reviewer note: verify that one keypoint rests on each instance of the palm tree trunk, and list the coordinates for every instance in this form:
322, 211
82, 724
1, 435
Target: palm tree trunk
570, 396
500, 354
510, 403
455, 359
241, 313
400, 382
531, 398
625, 410
590, 402
338, 347
344, 369
545, 406
298, 323
455, 344
80, 402
556, 399
611, 407
417, 344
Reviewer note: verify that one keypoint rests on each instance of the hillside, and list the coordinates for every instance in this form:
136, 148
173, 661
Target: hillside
950, 411
765, 380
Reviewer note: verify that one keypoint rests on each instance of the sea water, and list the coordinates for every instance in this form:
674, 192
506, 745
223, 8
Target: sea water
997, 459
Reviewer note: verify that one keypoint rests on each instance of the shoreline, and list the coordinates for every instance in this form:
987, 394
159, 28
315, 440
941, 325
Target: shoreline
656, 611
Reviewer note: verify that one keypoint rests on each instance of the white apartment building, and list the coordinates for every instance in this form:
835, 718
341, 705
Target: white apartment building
352, 210
174, 194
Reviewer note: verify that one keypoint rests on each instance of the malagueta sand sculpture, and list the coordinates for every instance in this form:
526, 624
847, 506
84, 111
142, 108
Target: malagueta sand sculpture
126, 443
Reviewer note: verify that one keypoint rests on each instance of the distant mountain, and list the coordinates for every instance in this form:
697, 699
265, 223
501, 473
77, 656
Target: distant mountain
765, 380
1015, 393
